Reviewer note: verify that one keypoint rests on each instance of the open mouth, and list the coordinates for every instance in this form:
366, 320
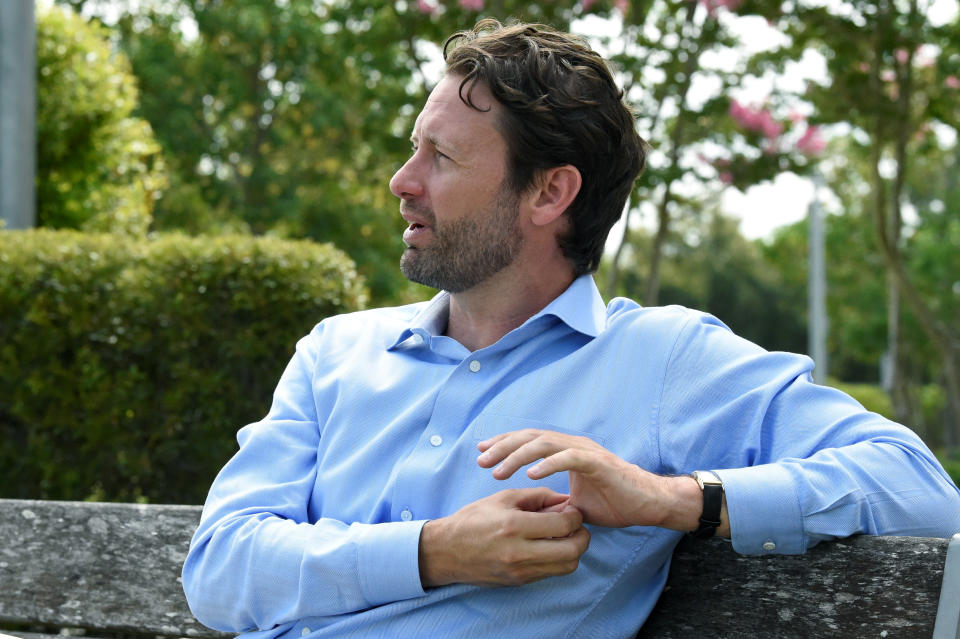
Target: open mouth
414, 233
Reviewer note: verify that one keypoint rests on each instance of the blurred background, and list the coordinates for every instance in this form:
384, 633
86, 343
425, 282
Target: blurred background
211, 180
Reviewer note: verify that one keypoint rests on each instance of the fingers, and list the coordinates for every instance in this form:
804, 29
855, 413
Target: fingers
541, 558
543, 513
545, 525
509, 538
567, 459
516, 449
531, 499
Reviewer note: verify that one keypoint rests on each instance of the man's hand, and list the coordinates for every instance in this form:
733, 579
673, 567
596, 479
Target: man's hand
510, 538
606, 489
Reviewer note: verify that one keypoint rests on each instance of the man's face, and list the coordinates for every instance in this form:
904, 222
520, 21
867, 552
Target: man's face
463, 216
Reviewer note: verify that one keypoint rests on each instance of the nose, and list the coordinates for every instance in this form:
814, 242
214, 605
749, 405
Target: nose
406, 183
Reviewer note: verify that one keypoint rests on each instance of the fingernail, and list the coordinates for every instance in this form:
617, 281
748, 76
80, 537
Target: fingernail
534, 470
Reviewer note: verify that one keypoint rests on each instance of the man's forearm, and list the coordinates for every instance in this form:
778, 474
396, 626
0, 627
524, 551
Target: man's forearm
685, 506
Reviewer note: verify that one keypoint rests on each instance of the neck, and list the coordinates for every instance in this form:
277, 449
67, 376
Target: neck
483, 314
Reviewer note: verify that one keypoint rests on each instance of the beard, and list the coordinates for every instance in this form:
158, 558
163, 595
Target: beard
468, 251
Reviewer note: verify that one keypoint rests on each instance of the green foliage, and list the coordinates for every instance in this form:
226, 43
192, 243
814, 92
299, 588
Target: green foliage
126, 365
290, 117
871, 396
98, 168
951, 464
711, 267
855, 291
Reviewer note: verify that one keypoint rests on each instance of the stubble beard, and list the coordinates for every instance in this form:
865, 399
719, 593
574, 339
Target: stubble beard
468, 251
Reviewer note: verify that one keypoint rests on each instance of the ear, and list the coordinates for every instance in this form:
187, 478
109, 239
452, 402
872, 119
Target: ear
554, 192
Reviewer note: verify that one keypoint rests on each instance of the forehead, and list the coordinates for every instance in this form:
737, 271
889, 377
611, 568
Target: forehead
446, 118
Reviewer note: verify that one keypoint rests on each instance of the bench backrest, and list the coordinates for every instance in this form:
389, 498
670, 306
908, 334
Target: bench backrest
109, 567
856, 587
116, 568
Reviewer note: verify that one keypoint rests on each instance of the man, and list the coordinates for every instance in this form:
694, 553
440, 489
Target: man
359, 506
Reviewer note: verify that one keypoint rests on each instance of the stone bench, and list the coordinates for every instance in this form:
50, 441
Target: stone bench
112, 569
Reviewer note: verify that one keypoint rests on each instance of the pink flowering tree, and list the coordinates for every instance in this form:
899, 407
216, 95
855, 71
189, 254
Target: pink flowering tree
893, 84
666, 48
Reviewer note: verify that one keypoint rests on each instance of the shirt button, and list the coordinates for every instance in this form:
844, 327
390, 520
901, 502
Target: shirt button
304, 632
474, 366
436, 440
769, 545
406, 515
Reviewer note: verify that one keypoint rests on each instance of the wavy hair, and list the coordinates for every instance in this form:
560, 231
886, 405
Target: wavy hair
561, 106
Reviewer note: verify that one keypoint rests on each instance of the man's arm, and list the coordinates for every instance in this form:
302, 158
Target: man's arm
257, 560
606, 489
799, 462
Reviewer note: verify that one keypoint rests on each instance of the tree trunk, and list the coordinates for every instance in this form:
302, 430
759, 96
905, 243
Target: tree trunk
652, 293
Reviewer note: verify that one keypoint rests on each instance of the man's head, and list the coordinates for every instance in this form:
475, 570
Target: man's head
463, 215
559, 106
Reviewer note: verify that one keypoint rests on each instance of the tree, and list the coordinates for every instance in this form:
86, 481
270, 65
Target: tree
98, 167
893, 80
290, 117
710, 266
668, 48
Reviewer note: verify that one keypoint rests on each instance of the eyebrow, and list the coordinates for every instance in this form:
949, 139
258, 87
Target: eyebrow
436, 142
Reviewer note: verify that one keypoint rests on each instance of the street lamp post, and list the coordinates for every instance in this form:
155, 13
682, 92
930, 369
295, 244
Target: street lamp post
817, 286
17, 114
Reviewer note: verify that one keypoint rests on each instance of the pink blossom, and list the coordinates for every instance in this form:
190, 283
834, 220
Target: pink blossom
888, 75
795, 116
726, 177
714, 5
952, 82
758, 120
423, 6
811, 143
622, 6
472, 5
902, 55
586, 4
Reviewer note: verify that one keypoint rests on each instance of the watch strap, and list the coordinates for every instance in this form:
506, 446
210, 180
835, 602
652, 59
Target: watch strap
712, 489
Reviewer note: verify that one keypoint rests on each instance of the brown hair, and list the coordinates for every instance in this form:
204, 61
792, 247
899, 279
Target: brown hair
562, 106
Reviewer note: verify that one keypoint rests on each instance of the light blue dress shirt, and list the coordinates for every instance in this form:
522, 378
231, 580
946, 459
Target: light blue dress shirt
313, 527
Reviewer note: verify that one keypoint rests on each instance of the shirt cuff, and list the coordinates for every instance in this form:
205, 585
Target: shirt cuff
388, 560
764, 512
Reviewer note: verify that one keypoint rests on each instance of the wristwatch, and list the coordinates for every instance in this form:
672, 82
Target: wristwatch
712, 489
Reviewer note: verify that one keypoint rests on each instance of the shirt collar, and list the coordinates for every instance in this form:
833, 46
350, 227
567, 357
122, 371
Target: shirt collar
580, 307
429, 321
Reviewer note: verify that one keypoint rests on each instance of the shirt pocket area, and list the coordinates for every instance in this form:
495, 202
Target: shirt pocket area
489, 424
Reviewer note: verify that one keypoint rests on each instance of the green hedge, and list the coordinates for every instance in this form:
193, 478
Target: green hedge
126, 365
